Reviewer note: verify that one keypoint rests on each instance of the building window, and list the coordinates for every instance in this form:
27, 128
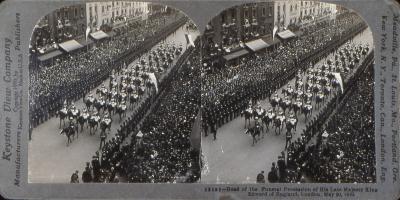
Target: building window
246, 14
82, 12
76, 12
291, 8
270, 11
102, 9
264, 11
295, 7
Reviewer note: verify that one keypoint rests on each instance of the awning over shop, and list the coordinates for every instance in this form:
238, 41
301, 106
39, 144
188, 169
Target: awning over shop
236, 54
84, 42
111, 33
256, 45
98, 35
271, 41
70, 45
286, 34
298, 33
49, 55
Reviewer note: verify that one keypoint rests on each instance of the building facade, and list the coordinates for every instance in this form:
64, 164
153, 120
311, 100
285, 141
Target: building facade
60, 25
114, 13
301, 13
240, 24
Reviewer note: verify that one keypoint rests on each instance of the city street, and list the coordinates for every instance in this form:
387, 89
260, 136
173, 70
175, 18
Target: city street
52, 161
231, 158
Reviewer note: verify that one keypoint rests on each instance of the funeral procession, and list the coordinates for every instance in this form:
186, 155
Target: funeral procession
287, 95
114, 94
268, 92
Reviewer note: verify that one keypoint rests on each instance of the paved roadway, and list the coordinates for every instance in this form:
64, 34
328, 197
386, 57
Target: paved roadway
232, 158
51, 161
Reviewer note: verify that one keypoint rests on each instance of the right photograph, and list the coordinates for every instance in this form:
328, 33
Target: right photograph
287, 95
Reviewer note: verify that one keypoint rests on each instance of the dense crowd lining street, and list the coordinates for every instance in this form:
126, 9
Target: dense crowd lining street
57, 165
231, 158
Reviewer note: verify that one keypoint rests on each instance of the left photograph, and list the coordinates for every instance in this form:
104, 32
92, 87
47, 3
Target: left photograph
114, 95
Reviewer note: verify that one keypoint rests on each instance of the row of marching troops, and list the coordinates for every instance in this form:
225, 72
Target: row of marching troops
52, 84
345, 140
222, 110
314, 86
117, 158
129, 84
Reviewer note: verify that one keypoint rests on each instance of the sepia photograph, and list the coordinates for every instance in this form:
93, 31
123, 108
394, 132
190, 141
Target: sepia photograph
287, 95
114, 92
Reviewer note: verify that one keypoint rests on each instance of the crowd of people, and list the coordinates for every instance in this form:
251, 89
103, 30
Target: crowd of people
226, 92
72, 75
160, 149
351, 61
344, 151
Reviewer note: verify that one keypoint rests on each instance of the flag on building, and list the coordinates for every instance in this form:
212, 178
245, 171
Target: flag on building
153, 79
339, 79
87, 32
189, 40
274, 32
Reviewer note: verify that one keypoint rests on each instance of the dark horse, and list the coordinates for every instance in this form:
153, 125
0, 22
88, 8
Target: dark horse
93, 124
291, 125
82, 119
307, 110
254, 132
268, 119
62, 116
105, 125
89, 102
121, 110
278, 122
68, 131
247, 116
132, 100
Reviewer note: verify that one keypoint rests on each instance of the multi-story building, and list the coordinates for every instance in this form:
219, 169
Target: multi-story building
301, 13
60, 25
286, 13
240, 24
114, 13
